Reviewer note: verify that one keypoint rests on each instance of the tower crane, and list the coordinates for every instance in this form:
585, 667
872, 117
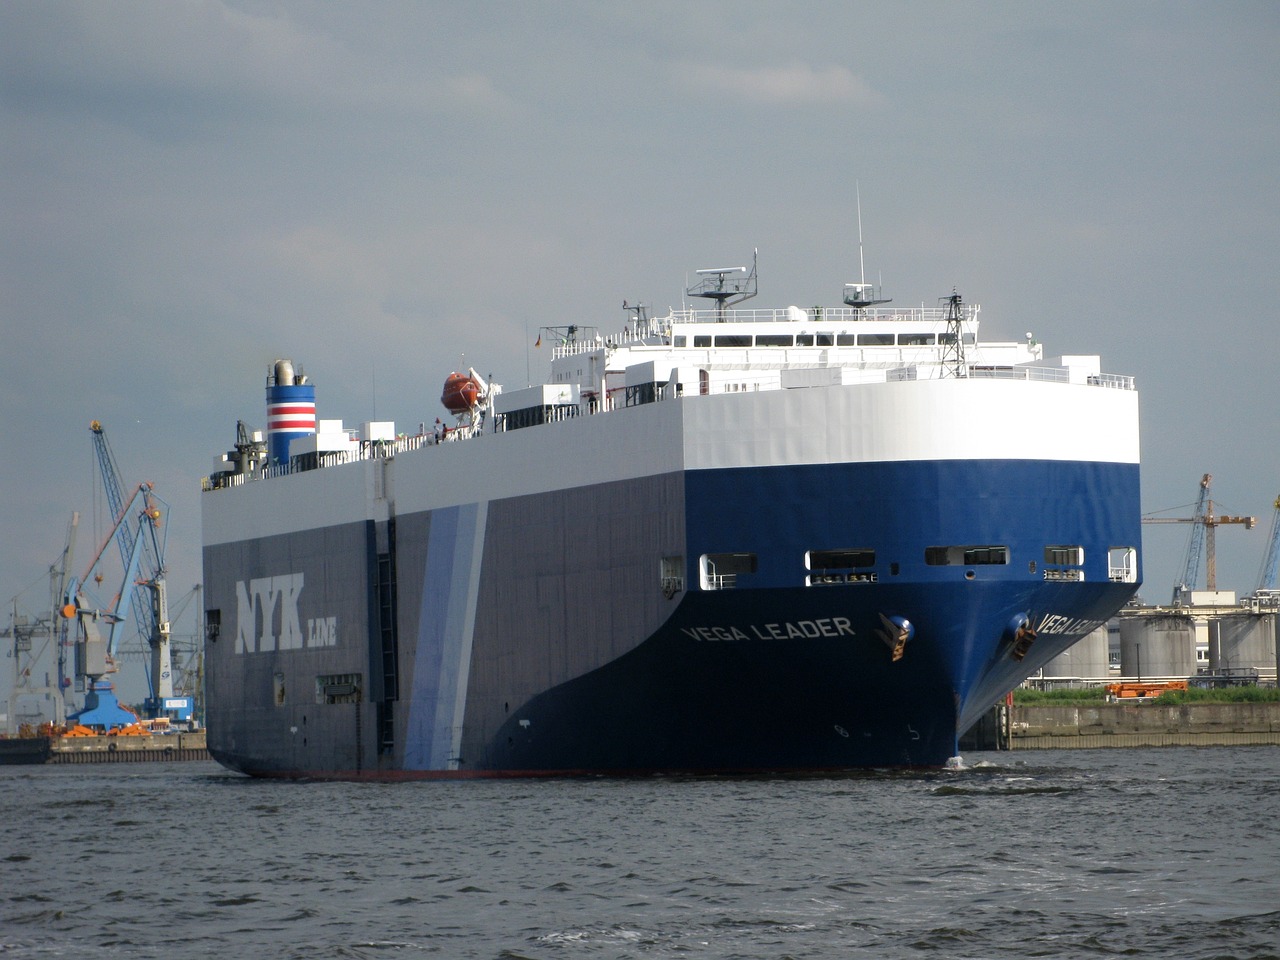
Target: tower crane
1202, 534
1271, 562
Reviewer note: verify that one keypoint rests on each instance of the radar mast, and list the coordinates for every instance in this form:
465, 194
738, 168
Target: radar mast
953, 361
639, 318
720, 284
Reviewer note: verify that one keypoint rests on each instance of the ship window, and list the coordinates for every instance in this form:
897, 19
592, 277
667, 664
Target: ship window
774, 340
702, 340
277, 688
968, 556
823, 339
847, 340
875, 339
986, 555
840, 566
915, 339
212, 625
671, 574
804, 339
338, 688
678, 341
720, 571
1123, 564
1064, 574
1064, 556
733, 340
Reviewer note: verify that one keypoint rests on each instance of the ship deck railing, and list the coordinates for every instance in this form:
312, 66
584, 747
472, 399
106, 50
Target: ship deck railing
659, 329
1000, 372
383, 449
793, 314
1053, 374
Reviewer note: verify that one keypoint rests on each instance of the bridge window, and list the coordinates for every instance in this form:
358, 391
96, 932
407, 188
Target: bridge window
773, 339
823, 339
875, 339
702, 340
847, 340
804, 339
916, 339
733, 340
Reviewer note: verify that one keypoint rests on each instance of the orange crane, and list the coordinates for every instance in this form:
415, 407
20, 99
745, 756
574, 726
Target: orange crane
1207, 522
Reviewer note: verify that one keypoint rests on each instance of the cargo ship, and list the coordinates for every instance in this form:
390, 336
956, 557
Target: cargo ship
720, 541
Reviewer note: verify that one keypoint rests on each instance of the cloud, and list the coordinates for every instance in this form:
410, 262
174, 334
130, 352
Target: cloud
797, 83
169, 68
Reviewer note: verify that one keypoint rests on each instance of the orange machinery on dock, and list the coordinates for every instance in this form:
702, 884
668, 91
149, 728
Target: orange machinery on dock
1140, 690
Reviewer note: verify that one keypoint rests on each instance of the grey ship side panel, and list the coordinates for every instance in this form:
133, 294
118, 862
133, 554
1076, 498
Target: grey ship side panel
291, 612
571, 582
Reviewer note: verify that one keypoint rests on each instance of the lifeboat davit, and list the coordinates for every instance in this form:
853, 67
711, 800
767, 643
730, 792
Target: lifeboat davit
461, 393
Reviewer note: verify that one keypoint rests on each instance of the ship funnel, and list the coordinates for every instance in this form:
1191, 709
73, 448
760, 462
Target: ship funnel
291, 409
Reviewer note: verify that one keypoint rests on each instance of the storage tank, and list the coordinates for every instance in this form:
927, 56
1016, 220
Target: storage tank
1159, 646
1243, 643
291, 409
1087, 658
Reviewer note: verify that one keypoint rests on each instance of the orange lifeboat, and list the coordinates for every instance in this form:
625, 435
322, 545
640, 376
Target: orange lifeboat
460, 393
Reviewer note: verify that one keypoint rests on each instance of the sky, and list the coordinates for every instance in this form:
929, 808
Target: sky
389, 191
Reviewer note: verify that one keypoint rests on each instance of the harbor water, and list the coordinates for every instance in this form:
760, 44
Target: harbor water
1171, 852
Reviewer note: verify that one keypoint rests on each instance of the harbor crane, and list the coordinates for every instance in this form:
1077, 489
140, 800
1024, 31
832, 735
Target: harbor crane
99, 618
1202, 536
150, 605
52, 629
1271, 562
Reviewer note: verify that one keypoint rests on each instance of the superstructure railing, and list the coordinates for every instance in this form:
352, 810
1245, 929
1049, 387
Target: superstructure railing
660, 329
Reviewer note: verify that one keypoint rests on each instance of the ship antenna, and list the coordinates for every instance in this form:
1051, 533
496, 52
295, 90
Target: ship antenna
861, 295
862, 267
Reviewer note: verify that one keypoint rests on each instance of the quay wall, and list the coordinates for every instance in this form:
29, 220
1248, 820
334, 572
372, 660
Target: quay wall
175, 746
1125, 725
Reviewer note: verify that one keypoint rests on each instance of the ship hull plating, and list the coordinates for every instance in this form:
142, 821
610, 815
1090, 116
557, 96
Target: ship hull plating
576, 630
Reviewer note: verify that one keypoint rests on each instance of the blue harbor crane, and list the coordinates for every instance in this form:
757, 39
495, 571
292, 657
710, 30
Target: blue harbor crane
99, 617
1191, 571
150, 604
1271, 562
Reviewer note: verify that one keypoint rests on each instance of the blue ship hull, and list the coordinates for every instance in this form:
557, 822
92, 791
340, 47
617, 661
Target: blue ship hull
827, 697
771, 675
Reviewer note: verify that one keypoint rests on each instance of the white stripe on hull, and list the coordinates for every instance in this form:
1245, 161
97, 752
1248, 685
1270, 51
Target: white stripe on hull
858, 423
